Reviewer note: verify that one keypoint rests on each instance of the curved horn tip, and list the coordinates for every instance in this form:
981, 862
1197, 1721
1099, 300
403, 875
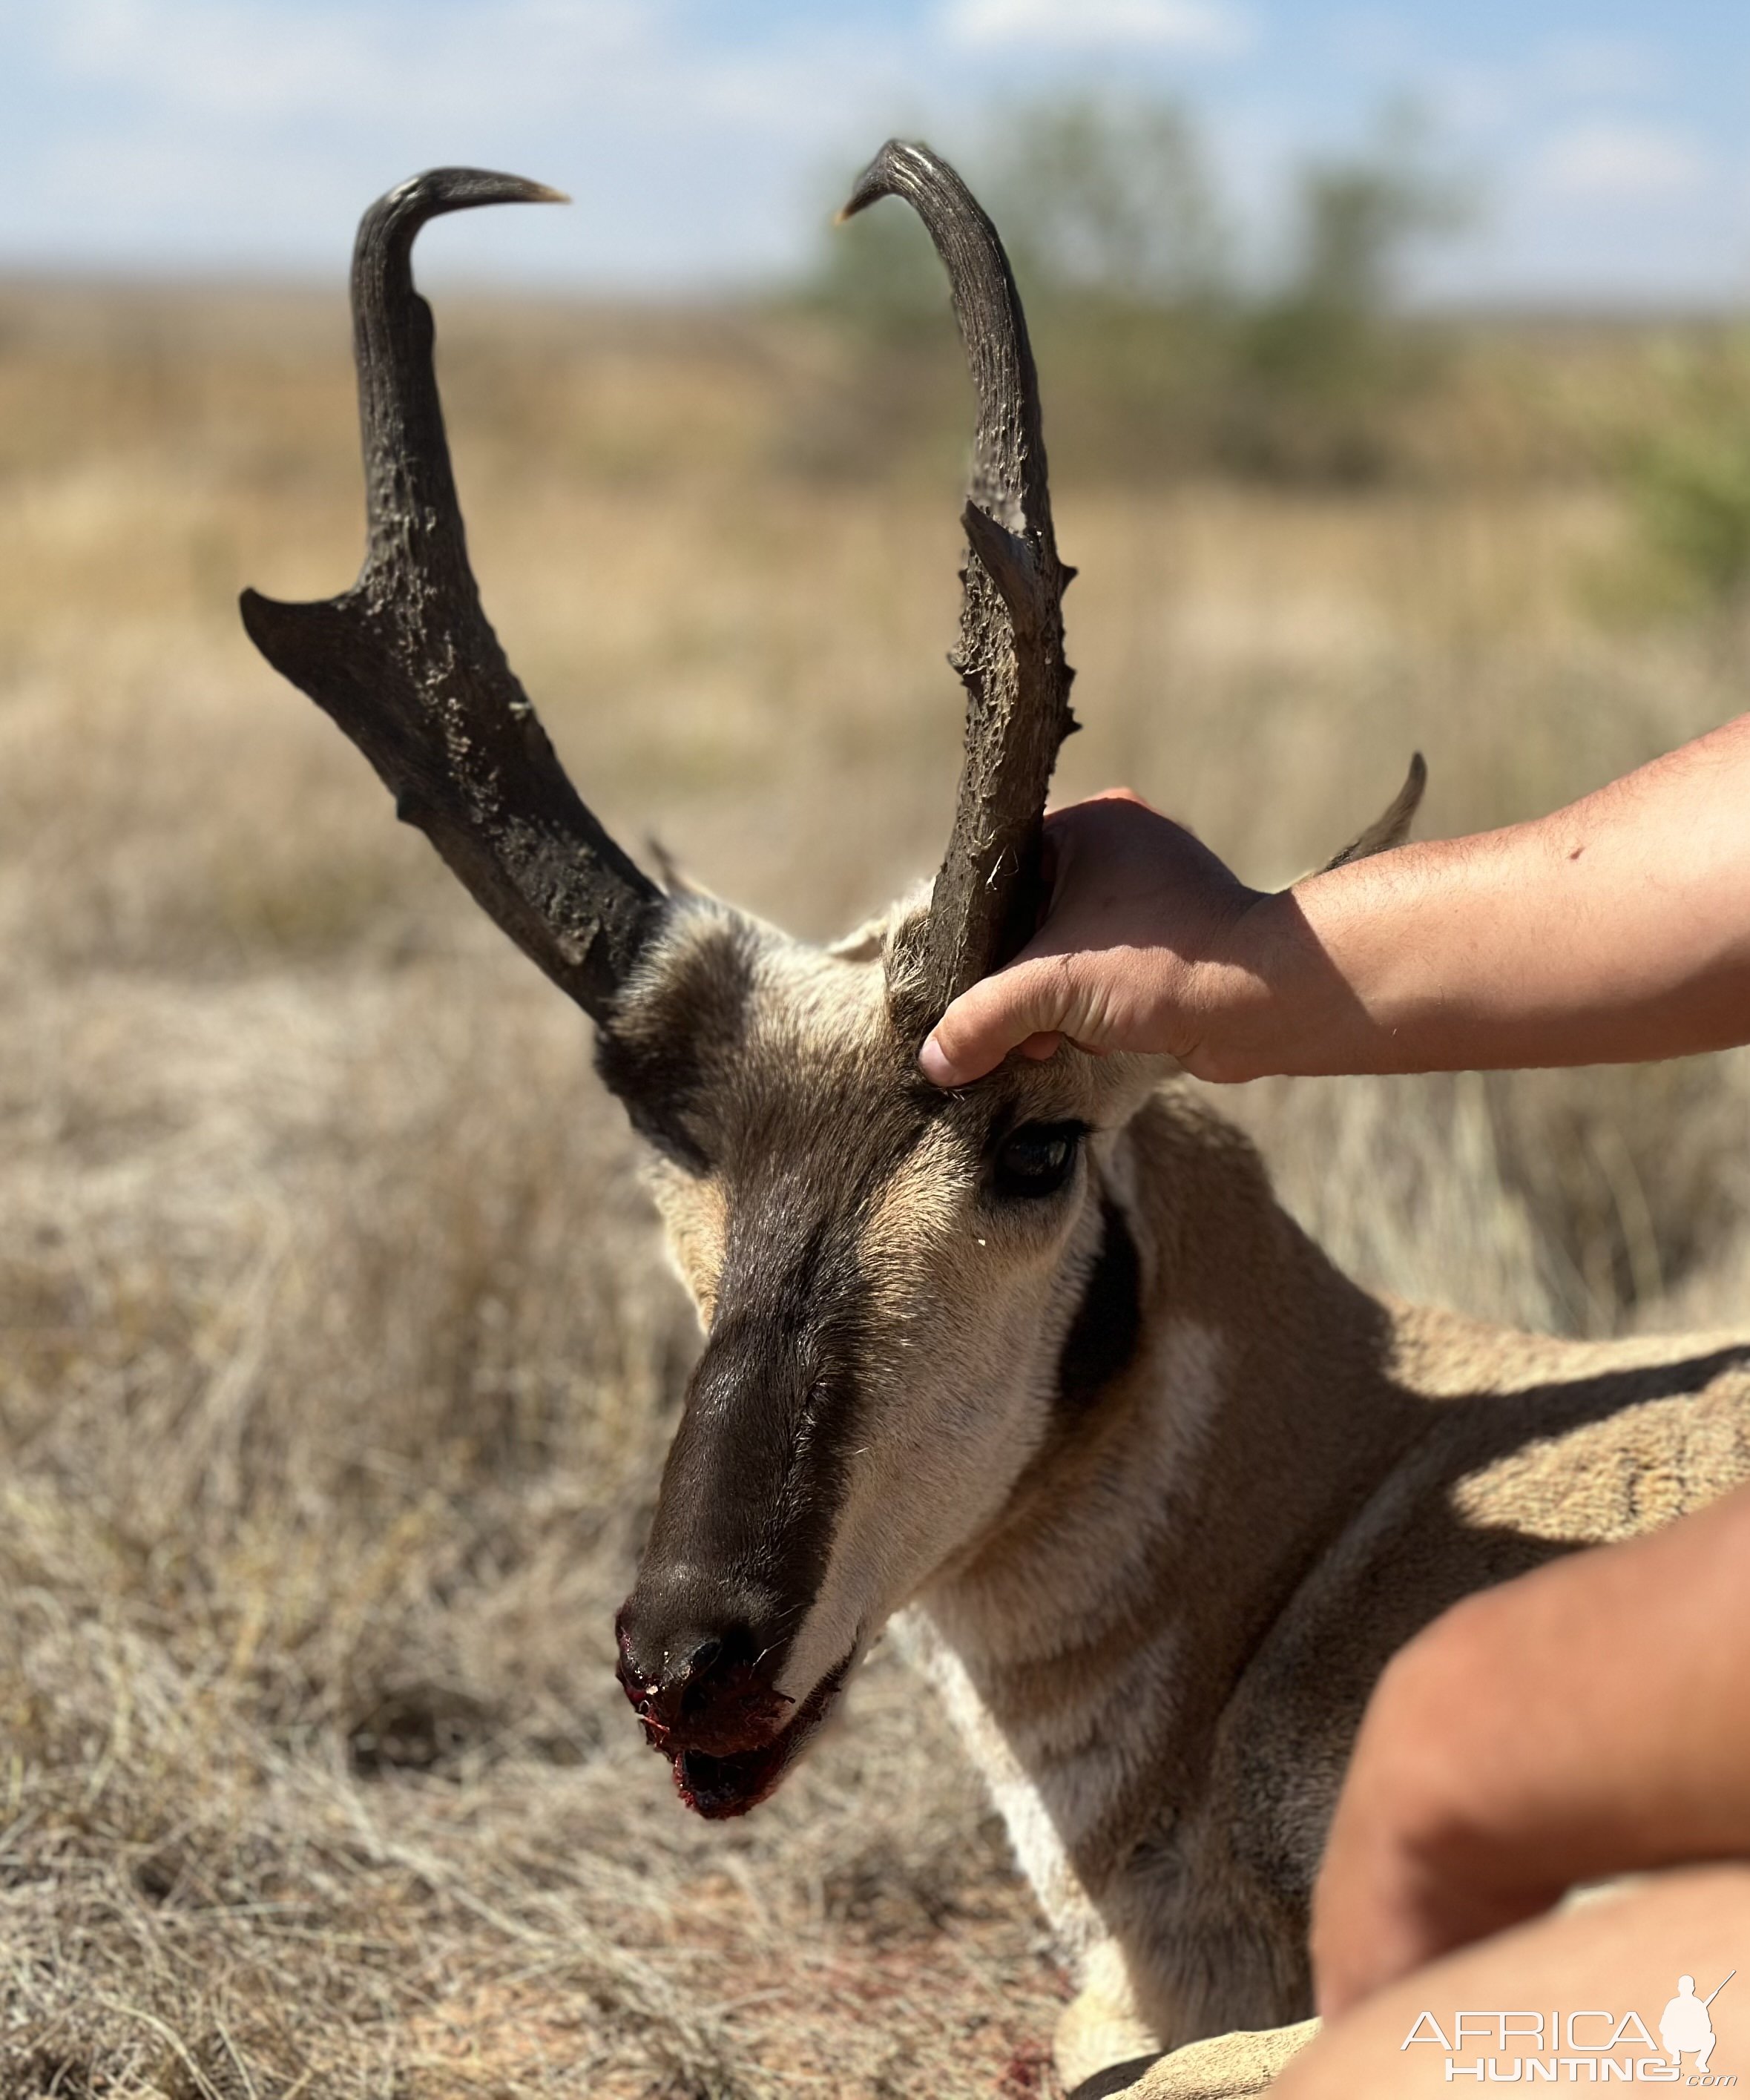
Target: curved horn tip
879, 179
437, 190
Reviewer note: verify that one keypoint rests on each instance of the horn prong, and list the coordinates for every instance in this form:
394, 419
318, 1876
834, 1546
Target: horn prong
406, 663
1010, 656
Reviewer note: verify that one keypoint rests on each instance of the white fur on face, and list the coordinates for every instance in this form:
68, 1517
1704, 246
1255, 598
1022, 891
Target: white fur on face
1056, 1770
967, 1301
1035, 1830
969, 1319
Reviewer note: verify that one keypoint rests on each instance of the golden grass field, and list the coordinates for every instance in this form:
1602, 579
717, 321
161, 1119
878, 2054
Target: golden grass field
336, 1355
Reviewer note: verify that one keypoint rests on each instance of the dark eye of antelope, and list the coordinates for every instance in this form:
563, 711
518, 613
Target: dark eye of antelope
1036, 1160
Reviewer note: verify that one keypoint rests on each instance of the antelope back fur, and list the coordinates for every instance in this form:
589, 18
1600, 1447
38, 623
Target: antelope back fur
1154, 1490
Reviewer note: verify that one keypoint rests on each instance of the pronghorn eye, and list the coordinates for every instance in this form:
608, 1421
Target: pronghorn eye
1036, 1159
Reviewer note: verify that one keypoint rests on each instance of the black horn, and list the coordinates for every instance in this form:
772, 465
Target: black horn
407, 664
1011, 653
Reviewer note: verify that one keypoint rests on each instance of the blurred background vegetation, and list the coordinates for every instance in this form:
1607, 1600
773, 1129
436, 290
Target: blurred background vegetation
1170, 347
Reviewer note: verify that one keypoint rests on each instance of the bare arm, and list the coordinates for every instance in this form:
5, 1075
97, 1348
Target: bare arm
1587, 1721
1615, 929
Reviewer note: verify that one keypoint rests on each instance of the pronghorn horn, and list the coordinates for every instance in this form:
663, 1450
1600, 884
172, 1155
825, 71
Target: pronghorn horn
409, 666
1011, 653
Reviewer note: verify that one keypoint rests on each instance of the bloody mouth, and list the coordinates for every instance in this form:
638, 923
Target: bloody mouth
730, 1757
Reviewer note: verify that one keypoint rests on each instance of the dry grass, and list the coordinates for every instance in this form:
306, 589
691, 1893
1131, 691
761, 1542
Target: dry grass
335, 1360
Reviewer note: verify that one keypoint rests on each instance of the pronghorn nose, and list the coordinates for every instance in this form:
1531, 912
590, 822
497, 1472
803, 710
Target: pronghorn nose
674, 1675
699, 1661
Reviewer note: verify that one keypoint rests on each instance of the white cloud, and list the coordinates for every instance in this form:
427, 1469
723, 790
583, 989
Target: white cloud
237, 64
206, 132
229, 59
1187, 25
700, 141
1621, 162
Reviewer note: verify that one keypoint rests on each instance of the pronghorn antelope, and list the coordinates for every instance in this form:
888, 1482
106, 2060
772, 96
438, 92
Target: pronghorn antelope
1041, 1364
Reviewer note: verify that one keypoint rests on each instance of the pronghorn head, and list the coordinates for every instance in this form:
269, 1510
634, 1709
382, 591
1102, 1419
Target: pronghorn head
906, 1295
889, 1279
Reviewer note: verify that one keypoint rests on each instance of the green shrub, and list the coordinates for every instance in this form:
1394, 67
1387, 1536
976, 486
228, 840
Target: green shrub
1690, 490
1161, 347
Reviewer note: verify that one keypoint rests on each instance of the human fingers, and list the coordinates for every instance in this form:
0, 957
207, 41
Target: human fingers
1060, 812
1384, 1907
1415, 1864
1020, 1007
1370, 1926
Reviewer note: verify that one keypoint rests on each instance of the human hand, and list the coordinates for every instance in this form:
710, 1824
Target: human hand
1415, 1866
1613, 930
1498, 1764
1141, 949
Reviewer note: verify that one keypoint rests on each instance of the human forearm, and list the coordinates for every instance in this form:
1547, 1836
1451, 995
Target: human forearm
1618, 928
1615, 929
1586, 1722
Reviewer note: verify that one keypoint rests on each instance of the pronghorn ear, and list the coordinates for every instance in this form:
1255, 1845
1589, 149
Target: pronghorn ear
1391, 828
873, 941
675, 879
866, 943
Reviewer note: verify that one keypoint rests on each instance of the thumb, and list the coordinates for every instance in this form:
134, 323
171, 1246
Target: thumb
989, 1019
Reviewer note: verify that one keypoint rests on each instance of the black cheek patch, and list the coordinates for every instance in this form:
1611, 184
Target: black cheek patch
662, 1059
1107, 1326
656, 1086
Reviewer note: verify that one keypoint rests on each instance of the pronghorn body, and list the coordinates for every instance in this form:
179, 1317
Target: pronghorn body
1209, 1487
1040, 1363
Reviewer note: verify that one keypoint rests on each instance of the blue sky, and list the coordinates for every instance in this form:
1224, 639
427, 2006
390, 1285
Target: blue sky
1608, 141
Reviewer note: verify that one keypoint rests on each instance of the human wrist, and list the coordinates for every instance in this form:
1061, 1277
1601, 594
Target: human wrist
1368, 967
1274, 1005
